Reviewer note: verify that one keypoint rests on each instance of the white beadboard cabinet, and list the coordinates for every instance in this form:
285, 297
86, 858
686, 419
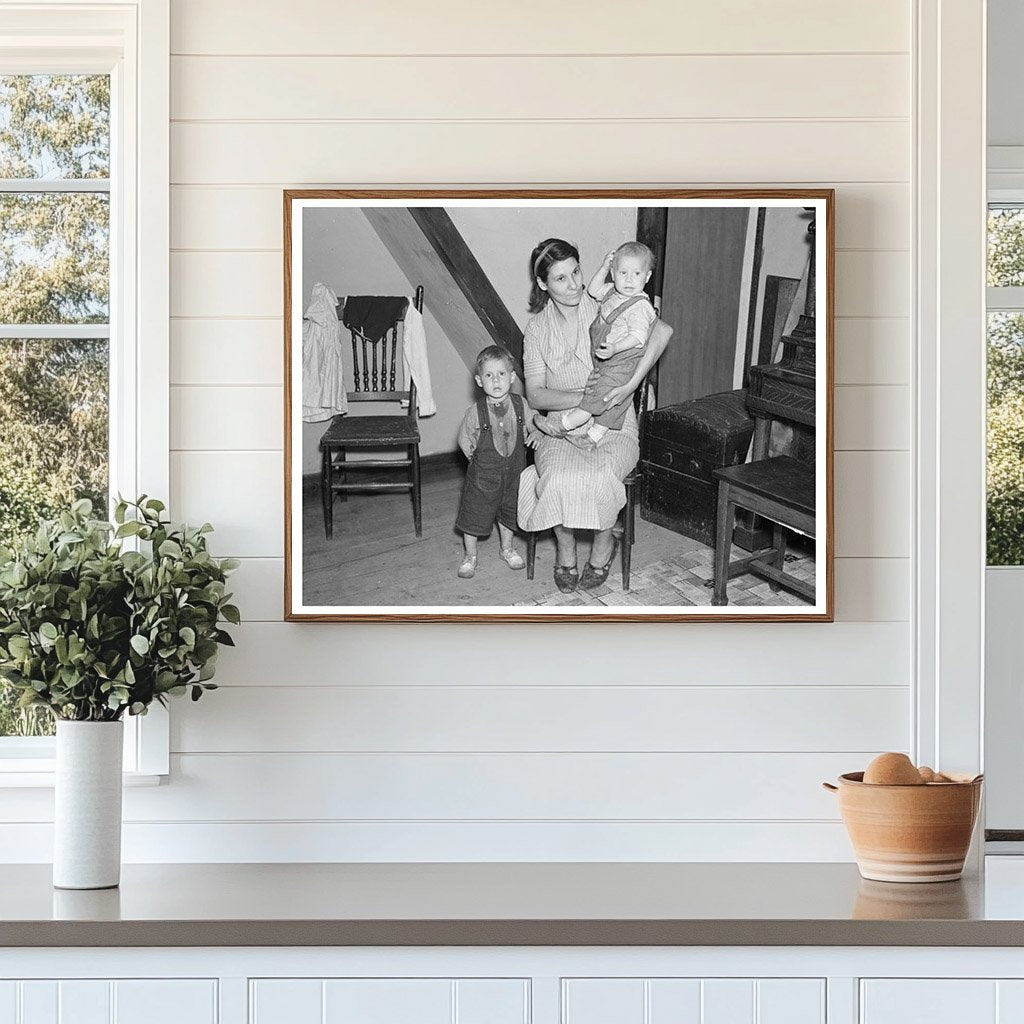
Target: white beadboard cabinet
513, 985
942, 1001
696, 1000
389, 1001
108, 1001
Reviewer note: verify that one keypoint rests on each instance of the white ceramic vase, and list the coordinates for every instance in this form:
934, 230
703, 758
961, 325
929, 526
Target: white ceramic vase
87, 805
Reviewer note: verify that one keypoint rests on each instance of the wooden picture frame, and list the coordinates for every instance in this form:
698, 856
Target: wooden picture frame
455, 269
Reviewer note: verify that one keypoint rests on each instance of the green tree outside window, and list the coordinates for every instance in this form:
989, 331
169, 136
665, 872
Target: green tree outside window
1005, 477
54, 273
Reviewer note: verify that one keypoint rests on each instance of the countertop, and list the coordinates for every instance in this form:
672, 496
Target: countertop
494, 904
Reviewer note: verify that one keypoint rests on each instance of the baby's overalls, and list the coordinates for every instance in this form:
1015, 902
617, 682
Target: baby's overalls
491, 488
610, 372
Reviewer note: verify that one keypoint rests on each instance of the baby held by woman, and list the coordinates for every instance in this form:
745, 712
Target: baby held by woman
617, 338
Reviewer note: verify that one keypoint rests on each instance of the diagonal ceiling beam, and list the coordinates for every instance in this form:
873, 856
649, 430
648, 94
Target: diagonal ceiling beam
429, 250
440, 230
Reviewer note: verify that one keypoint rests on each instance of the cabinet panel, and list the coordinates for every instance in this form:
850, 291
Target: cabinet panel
928, 1001
728, 1001
492, 1001
790, 1001
8, 1002
388, 1001
102, 1001
38, 1002
1009, 1002
694, 1001
84, 1002
603, 1001
165, 1002
674, 1000
281, 1001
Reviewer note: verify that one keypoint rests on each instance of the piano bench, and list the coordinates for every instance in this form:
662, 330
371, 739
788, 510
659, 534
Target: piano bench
780, 489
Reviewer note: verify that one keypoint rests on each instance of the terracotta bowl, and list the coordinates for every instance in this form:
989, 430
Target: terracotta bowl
909, 833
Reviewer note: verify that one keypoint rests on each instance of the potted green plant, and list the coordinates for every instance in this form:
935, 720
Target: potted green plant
93, 630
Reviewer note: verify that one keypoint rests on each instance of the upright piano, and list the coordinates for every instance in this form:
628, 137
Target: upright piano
784, 390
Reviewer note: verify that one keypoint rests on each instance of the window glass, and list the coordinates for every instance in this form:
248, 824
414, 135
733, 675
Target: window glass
54, 257
54, 274
54, 127
53, 404
1005, 246
1005, 484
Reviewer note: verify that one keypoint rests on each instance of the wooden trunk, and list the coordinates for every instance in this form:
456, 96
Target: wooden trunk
683, 445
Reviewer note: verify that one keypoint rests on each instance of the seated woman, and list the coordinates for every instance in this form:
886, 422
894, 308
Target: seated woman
570, 488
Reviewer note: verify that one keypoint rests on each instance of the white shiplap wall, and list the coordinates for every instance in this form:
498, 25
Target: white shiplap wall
679, 741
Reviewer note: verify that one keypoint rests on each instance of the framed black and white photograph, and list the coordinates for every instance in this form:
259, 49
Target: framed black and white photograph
568, 405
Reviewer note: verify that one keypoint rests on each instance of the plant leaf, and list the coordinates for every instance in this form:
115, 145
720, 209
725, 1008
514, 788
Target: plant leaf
18, 646
170, 549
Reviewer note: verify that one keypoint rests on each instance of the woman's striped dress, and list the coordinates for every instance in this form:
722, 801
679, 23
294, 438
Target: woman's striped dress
570, 486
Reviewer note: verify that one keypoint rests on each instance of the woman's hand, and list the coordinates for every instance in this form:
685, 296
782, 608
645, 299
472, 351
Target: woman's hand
548, 425
656, 344
618, 395
531, 435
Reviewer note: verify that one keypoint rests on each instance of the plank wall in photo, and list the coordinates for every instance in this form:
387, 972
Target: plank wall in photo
547, 742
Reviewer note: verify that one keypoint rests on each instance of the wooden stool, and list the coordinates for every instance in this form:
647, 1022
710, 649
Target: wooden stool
782, 490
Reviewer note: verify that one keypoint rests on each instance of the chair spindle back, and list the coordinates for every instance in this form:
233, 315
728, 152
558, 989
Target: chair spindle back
375, 364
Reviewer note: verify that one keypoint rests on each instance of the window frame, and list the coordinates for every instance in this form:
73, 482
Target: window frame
130, 41
1002, 299
1005, 298
1002, 711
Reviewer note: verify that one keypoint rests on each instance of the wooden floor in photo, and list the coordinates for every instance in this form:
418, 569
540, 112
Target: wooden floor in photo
375, 558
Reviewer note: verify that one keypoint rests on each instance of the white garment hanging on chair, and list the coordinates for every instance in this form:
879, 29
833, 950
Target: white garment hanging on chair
414, 360
323, 377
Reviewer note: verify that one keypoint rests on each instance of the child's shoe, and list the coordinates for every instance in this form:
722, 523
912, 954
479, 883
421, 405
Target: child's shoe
513, 559
468, 568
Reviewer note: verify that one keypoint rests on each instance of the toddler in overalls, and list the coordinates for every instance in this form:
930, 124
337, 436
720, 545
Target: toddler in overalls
493, 435
617, 339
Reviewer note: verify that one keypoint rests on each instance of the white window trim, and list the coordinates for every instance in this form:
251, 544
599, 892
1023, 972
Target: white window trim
1003, 714
949, 444
131, 40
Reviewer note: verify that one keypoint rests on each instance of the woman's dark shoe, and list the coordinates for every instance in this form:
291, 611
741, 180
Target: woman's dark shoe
566, 578
593, 577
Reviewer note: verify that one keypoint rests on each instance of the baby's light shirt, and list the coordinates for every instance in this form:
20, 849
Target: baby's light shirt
635, 321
